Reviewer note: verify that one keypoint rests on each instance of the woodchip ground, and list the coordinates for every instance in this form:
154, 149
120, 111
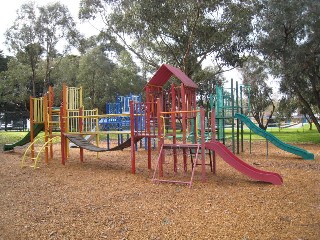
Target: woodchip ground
101, 199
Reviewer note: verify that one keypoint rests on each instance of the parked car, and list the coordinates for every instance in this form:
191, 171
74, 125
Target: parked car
3, 126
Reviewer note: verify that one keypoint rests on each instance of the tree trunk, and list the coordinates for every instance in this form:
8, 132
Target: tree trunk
308, 108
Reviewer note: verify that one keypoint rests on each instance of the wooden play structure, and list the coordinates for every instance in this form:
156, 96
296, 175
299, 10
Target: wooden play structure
169, 114
43, 117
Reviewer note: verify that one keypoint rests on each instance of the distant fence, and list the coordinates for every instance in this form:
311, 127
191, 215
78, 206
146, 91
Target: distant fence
14, 120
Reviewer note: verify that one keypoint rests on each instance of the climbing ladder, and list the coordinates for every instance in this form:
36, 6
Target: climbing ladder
158, 175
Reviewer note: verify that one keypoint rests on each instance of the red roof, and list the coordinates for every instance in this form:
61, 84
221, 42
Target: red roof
165, 72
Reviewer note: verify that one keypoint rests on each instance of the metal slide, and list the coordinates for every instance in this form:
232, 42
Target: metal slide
277, 142
26, 139
241, 166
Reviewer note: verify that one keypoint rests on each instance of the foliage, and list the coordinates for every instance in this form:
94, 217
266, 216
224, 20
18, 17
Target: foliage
289, 38
260, 94
181, 33
36, 33
103, 79
3, 62
14, 86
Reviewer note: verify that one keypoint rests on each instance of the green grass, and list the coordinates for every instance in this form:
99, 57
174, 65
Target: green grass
288, 135
10, 137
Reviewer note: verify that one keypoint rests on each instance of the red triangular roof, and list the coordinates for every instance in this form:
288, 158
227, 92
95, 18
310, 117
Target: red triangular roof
165, 72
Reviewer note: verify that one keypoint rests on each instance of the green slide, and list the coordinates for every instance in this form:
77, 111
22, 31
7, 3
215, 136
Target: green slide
277, 142
26, 139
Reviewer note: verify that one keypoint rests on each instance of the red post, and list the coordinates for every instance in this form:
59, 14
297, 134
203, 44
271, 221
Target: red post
80, 130
184, 125
46, 128
174, 125
160, 136
133, 154
63, 124
148, 130
63, 140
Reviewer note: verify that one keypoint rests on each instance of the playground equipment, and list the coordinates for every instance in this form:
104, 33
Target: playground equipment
42, 116
77, 122
162, 116
119, 119
26, 139
230, 107
182, 107
271, 138
227, 102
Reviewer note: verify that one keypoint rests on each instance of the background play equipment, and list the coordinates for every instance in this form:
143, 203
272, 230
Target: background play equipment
227, 102
118, 119
26, 139
277, 142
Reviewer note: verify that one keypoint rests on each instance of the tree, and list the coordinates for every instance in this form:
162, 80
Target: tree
3, 62
289, 38
181, 33
126, 75
207, 80
254, 75
95, 75
37, 32
14, 86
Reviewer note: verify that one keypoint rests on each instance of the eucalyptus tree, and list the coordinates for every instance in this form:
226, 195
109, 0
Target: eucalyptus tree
182, 33
3, 62
289, 36
14, 86
41, 33
126, 75
95, 76
255, 75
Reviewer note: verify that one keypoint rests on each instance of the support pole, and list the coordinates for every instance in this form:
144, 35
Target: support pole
203, 149
80, 130
174, 126
160, 137
133, 155
32, 125
184, 125
213, 129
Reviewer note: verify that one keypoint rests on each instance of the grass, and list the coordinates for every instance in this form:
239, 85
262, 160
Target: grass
289, 135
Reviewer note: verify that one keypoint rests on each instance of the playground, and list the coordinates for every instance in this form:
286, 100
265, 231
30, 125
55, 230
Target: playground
101, 199
123, 174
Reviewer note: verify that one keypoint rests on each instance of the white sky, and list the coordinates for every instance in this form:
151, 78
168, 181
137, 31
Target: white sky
8, 13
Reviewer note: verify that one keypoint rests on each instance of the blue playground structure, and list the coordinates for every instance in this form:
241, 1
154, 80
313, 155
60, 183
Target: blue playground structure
118, 118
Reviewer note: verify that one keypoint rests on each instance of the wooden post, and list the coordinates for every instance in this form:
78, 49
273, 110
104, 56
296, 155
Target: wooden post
80, 130
184, 125
174, 125
160, 137
133, 156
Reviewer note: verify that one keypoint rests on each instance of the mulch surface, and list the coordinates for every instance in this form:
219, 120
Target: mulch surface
101, 199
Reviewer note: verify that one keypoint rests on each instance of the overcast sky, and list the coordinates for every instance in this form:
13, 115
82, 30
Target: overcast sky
8, 13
